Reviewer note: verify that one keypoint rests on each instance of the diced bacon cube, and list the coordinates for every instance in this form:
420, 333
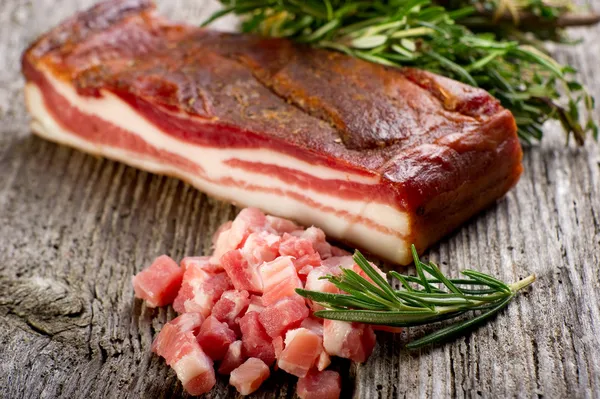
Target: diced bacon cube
172, 335
320, 385
222, 228
241, 273
337, 251
255, 340
281, 269
200, 290
249, 376
315, 283
256, 304
261, 247
323, 361
313, 324
177, 344
279, 279
336, 262
215, 337
280, 225
233, 358
285, 289
230, 307
286, 314
319, 243
247, 221
302, 348
353, 341
278, 346
159, 283
295, 246
195, 371
221, 243
232, 235
202, 262
306, 263
316, 325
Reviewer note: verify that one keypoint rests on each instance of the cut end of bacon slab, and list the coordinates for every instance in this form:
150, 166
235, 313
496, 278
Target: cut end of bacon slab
376, 157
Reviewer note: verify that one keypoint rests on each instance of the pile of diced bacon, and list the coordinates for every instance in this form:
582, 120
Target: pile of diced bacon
239, 308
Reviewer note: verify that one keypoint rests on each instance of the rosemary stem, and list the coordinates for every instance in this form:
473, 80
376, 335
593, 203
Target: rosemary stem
519, 285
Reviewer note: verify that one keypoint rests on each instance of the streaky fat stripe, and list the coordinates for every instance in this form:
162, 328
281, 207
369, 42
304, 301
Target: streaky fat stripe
334, 216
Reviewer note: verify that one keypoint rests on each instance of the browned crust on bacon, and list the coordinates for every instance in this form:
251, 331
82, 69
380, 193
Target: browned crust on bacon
442, 149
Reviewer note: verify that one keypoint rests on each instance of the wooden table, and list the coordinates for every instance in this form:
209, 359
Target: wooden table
74, 229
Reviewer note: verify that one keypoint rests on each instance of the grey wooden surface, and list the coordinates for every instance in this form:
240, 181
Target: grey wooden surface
74, 229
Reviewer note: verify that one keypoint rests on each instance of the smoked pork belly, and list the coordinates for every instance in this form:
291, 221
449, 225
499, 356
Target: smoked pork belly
377, 157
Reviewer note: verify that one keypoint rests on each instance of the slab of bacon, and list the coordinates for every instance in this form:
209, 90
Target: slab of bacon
375, 156
248, 334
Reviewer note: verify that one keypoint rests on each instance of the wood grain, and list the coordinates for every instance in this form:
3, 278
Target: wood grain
74, 229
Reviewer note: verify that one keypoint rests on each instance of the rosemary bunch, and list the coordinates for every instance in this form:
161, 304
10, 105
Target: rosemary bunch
422, 34
429, 297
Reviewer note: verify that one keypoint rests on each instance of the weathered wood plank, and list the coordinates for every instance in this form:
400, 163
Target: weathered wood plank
74, 228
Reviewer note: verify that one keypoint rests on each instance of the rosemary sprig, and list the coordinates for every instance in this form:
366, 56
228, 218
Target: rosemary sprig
431, 298
423, 34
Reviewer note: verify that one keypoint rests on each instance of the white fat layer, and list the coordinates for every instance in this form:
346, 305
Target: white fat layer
120, 114
323, 361
191, 366
273, 273
334, 336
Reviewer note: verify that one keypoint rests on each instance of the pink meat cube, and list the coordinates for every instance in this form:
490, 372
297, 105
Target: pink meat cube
319, 243
249, 376
202, 262
337, 251
256, 304
295, 246
158, 284
232, 235
278, 346
315, 283
177, 344
255, 341
306, 263
223, 228
221, 242
195, 369
172, 335
200, 289
323, 361
313, 324
230, 307
242, 274
215, 337
302, 349
247, 221
261, 247
320, 385
353, 341
281, 316
279, 279
280, 225
316, 325
233, 358
336, 262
